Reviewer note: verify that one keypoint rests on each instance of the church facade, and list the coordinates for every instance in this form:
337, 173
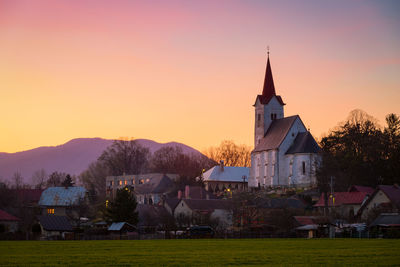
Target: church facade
285, 153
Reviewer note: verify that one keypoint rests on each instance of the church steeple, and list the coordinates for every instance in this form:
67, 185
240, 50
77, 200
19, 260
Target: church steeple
269, 87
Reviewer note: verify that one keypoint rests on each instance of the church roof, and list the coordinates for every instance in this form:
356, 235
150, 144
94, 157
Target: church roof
304, 143
269, 87
276, 133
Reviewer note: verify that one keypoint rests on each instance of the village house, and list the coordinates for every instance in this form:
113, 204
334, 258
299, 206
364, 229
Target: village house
385, 199
344, 204
285, 153
203, 211
54, 227
63, 201
221, 178
8, 222
150, 188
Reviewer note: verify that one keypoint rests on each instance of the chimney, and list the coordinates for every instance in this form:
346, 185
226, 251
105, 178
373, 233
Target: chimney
179, 194
221, 165
187, 192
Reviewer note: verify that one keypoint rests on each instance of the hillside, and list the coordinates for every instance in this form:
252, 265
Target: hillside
72, 157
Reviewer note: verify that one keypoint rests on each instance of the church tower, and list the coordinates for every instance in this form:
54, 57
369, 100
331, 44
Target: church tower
268, 106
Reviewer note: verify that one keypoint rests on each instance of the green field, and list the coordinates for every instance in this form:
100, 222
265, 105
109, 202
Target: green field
210, 252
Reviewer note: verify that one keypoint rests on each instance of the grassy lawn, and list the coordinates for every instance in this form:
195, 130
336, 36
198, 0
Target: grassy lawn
210, 252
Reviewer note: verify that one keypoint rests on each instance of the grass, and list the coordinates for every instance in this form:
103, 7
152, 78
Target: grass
210, 252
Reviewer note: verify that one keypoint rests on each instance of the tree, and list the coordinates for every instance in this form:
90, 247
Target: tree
230, 153
67, 181
125, 157
55, 179
39, 178
123, 207
171, 159
359, 152
94, 180
18, 180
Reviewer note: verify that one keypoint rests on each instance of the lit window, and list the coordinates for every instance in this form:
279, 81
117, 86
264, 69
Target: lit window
120, 182
141, 181
50, 211
147, 180
126, 182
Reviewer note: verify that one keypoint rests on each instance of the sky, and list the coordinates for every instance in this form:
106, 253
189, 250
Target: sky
189, 71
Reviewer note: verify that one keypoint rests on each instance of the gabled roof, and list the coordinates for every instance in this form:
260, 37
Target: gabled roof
117, 226
55, 223
28, 195
387, 219
62, 196
342, 198
229, 174
208, 204
276, 133
172, 202
361, 188
304, 143
305, 220
4, 216
158, 183
392, 192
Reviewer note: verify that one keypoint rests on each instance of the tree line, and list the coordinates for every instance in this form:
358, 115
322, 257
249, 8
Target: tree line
360, 152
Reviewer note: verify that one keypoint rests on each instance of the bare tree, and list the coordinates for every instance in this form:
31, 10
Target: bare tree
56, 179
230, 153
18, 180
39, 178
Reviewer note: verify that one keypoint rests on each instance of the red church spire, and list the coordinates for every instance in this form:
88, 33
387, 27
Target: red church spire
269, 88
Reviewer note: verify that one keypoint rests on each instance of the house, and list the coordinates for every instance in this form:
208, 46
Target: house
219, 178
205, 211
385, 199
285, 153
387, 225
149, 188
54, 227
63, 201
312, 226
9, 222
360, 188
346, 204
27, 197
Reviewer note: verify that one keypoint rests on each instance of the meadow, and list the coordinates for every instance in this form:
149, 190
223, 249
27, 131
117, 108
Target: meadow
209, 252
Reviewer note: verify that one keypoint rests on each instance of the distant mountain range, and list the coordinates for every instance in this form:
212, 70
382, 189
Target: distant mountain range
72, 157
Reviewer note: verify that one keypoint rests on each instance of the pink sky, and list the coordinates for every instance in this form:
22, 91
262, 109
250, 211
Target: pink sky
189, 71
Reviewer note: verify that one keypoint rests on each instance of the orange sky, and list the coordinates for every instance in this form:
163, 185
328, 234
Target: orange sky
189, 71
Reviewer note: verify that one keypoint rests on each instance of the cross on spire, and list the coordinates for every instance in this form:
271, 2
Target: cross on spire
268, 51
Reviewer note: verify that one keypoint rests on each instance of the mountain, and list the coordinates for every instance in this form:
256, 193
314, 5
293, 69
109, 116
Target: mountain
72, 157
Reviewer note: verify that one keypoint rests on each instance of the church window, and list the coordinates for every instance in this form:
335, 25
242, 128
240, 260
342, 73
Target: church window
272, 116
304, 167
258, 120
273, 170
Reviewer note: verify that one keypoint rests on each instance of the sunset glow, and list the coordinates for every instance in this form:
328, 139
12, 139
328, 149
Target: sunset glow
189, 71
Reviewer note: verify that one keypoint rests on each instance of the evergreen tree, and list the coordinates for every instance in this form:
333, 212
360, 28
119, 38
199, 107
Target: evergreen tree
123, 207
67, 181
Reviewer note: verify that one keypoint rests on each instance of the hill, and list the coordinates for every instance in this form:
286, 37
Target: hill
72, 157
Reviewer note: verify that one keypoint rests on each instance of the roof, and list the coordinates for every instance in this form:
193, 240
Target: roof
304, 143
28, 195
4, 216
196, 192
392, 192
157, 183
62, 196
342, 198
269, 87
229, 174
172, 202
361, 188
307, 227
117, 226
208, 204
55, 223
276, 133
387, 219
305, 220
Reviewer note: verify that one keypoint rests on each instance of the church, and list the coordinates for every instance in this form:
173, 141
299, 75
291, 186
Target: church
285, 153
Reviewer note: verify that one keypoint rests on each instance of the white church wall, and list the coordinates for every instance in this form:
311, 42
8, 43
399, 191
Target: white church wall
284, 161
